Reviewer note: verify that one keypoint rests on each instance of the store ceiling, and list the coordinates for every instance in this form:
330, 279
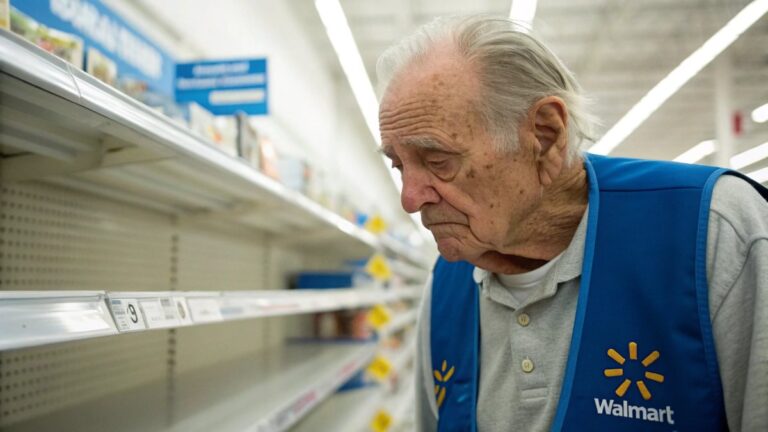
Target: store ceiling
618, 49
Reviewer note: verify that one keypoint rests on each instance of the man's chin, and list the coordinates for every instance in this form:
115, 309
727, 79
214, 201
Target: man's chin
451, 249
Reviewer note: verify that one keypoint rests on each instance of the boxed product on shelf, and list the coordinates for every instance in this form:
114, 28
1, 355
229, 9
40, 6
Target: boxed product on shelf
268, 158
64, 45
101, 66
5, 15
344, 324
294, 173
247, 140
205, 124
139, 90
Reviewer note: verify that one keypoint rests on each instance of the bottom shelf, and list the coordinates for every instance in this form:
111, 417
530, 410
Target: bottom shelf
348, 411
268, 392
371, 408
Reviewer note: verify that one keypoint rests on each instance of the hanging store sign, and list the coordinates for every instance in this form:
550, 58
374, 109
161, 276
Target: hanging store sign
136, 57
224, 87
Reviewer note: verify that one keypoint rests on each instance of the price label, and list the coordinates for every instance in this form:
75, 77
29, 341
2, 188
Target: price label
378, 268
381, 422
376, 225
182, 310
159, 312
380, 368
379, 316
204, 310
127, 314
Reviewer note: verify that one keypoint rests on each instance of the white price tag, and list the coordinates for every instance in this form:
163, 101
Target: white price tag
182, 311
233, 308
159, 313
127, 314
204, 310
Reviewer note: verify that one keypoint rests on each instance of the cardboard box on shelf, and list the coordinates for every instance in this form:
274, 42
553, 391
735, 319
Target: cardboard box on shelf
205, 124
64, 45
248, 141
268, 158
5, 15
101, 66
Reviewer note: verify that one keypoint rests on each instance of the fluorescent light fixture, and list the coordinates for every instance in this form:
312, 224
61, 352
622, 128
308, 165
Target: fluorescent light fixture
679, 76
523, 11
760, 114
750, 156
343, 42
697, 152
760, 176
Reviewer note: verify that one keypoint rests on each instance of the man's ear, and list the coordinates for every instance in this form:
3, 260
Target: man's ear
549, 120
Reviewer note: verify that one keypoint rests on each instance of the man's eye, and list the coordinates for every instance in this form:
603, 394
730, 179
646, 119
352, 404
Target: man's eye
438, 164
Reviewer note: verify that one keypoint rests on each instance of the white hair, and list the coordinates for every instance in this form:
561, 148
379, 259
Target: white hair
515, 70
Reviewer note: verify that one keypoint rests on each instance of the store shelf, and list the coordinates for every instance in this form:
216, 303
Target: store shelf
79, 132
32, 318
399, 406
399, 322
348, 411
262, 393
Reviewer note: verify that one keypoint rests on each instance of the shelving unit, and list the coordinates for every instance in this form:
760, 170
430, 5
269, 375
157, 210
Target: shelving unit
141, 269
269, 392
32, 318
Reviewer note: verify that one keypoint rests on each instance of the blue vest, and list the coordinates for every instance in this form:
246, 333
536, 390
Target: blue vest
642, 356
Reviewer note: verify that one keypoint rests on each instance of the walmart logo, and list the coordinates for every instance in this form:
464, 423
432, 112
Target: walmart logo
613, 408
442, 376
621, 390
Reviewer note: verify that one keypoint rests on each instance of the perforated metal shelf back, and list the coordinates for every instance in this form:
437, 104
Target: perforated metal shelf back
54, 238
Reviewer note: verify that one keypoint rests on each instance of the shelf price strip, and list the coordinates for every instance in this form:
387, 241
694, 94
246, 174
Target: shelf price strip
127, 314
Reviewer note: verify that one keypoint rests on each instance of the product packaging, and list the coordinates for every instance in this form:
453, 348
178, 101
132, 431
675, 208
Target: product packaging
101, 67
205, 124
268, 158
64, 45
248, 141
5, 15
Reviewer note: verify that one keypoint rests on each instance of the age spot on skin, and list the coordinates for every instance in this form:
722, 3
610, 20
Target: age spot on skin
521, 191
471, 173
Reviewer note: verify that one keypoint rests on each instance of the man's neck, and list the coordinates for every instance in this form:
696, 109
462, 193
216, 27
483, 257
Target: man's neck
549, 228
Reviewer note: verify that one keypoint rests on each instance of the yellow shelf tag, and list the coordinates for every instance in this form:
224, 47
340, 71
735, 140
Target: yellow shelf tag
379, 316
378, 268
376, 225
380, 368
381, 421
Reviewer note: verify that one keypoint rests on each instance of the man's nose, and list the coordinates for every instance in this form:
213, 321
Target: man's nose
417, 191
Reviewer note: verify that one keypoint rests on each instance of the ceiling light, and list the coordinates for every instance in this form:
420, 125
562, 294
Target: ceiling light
760, 114
343, 42
750, 156
760, 176
679, 76
522, 12
697, 152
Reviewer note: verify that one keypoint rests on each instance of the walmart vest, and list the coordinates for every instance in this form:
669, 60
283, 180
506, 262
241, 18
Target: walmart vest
642, 356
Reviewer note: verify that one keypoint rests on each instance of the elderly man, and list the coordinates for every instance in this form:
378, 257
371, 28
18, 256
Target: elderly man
574, 292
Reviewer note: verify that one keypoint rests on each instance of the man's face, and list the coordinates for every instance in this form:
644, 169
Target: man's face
471, 196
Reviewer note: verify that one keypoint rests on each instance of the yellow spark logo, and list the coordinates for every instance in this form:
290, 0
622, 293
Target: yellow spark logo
621, 390
442, 376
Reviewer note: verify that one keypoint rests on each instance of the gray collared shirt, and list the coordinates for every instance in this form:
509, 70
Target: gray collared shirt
524, 344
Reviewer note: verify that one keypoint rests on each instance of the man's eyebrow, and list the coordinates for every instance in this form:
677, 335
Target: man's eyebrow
418, 142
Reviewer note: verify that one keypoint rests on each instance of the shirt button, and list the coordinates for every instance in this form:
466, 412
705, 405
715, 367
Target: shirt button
523, 319
527, 365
